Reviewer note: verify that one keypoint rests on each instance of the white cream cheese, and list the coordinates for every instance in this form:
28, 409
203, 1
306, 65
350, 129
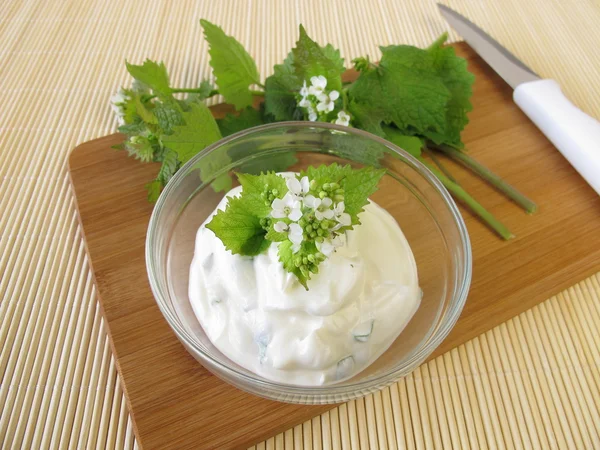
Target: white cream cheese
261, 318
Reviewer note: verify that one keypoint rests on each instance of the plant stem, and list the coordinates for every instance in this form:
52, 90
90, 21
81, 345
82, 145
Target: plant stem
345, 99
473, 204
188, 90
210, 94
485, 173
438, 163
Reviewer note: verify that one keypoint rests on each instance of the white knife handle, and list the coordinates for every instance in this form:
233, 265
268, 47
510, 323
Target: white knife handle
575, 134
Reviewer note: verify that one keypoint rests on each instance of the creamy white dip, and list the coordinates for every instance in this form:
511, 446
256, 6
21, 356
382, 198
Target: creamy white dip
260, 317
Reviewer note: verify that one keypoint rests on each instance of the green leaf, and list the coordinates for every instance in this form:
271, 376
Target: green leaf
366, 117
154, 188
145, 113
411, 144
205, 89
311, 60
280, 91
346, 146
286, 256
140, 147
133, 129
248, 118
199, 131
254, 185
459, 81
168, 115
405, 90
152, 74
334, 56
239, 229
280, 161
169, 166
234, 68
358, 184
275, 236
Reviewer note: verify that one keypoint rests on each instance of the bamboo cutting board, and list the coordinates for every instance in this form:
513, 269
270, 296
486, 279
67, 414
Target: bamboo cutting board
176, 403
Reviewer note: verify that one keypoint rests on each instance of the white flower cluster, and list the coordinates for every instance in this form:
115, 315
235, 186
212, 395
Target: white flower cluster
117, 103
311, 217
318, 102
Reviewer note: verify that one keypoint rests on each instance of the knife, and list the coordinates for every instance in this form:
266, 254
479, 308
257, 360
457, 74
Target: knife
575, 134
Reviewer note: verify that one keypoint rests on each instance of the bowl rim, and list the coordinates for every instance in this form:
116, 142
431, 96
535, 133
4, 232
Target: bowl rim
416, 357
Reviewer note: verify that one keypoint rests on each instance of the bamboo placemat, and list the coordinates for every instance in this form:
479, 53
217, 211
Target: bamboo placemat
532, 382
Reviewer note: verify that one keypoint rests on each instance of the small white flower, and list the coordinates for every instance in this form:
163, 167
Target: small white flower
318, 85
305, 184
312, 115
295, 233
327, 101
322, 208
298, 187
280, 226
288, 206
304, 90
343, 219
329, 245
343, 119
117, 103
304, 103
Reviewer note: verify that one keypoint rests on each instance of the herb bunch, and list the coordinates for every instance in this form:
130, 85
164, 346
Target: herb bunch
307, 214
416, 98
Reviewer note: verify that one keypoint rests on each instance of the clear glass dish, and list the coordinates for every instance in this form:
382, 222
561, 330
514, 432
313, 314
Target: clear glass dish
420, 204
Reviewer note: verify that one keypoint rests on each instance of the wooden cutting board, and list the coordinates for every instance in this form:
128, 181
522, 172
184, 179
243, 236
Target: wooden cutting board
176, 403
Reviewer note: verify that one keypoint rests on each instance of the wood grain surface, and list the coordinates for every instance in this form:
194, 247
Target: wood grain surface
176, 403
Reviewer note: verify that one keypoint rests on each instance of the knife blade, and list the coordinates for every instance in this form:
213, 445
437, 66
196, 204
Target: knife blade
574, 133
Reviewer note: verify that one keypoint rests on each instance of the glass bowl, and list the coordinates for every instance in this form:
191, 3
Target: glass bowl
420, 204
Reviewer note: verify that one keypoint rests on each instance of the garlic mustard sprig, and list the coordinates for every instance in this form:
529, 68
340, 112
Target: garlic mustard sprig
305, 215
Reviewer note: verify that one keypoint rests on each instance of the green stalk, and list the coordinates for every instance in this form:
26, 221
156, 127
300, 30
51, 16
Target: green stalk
461, 157
438, 163
473, 204
187, 90
197, 90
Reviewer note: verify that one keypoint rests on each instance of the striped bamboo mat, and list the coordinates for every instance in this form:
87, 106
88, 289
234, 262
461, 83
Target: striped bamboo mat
533, 382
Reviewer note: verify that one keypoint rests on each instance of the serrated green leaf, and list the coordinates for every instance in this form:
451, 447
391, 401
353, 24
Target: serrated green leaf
412, 144
254, 185
311, 60
153, 188
152, 74
276, 162
199, 131
140, 148
275, 236
247, 118
458, 80
133, 129
222, 183
234, 68
280, 90
358, 184
239, 229
145, 114
169, 166
366, 117
346, 146
335, 57
168, 115
406, 90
